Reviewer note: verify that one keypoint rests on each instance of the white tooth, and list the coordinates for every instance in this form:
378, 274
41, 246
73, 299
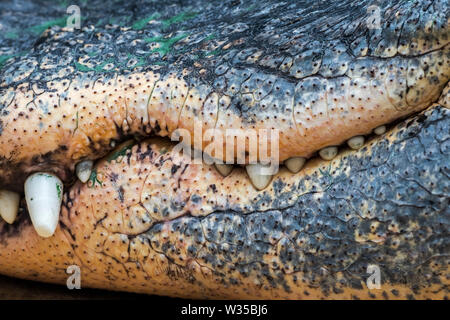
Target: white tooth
356, 142
9, 205
224, 169
260, 181
328, 153
84, 170
380, 130
295, 164
43, 193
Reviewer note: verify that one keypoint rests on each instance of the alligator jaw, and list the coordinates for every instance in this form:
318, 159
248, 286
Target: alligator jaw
162, 227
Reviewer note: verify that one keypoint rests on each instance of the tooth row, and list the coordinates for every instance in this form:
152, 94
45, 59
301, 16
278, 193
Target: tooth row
294, 164
9, 205
43, 194
43, 191
84, 170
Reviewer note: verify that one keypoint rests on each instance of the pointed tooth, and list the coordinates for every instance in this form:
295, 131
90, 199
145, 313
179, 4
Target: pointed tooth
258, 180
295, 164
380, 130
328, 153
356, 142
9, 205
43, 193
224, 169
84, 170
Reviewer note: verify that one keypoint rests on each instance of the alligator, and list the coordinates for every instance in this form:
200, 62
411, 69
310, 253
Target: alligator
91, 99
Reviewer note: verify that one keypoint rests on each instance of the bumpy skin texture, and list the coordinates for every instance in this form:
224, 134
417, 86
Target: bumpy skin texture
316, 72
148, 225
147, 221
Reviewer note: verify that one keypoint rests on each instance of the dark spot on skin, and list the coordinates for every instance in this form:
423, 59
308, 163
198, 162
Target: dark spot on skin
114, 177
174, 168
15, 229
213, 188
121, 192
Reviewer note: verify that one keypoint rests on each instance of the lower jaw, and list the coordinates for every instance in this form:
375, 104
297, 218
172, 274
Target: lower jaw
156, 224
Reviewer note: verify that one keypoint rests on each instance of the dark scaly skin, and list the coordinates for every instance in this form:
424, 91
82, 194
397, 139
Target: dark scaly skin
309, 235
416, 222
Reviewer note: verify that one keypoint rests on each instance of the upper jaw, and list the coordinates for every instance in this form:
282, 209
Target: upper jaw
310, 113
320, 113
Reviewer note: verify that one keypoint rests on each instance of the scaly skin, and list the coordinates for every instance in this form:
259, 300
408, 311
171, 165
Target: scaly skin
148, 221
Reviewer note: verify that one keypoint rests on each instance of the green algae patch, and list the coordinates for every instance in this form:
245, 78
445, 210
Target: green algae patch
82, 67
58, 190
165, 43
140, 24
99, 68
210, 37
141, 60
93, 179
4, 59
12, 35
46, 175
327, 175
38, 29
120, 21
179, 18
120, 152
213, 53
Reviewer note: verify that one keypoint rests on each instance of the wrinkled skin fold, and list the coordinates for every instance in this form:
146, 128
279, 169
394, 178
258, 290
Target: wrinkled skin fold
149, 221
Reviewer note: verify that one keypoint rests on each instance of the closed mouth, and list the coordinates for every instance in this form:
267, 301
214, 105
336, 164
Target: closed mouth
86, 119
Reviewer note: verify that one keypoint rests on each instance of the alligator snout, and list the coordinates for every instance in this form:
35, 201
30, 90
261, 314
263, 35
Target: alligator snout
357, 95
